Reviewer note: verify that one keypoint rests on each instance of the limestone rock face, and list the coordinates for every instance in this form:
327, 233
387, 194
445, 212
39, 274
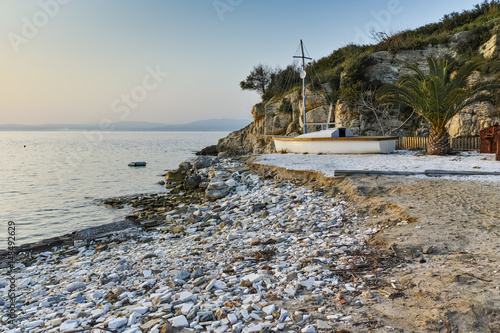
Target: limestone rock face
259, 111
276, 121
390, 67
473, 119
490, 48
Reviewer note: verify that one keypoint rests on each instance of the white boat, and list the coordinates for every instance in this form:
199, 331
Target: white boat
331, 141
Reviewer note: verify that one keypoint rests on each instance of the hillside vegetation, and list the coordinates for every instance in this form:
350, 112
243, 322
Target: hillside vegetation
344, 69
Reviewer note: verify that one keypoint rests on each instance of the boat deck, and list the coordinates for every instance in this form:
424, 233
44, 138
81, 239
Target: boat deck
349, 138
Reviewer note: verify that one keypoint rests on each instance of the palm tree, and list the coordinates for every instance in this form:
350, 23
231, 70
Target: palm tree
440, 95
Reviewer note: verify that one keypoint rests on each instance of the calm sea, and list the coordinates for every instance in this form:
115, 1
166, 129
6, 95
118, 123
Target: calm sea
51, 182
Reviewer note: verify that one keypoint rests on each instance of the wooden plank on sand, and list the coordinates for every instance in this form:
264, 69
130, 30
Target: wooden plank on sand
375, 172
461, 173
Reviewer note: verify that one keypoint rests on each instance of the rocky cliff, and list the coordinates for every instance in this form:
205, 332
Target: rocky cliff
283, 116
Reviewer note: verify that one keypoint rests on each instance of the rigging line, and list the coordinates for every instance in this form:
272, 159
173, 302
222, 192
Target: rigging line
314, 73
290, 79
297, 51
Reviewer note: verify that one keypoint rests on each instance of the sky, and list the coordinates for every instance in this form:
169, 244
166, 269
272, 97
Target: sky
171, 61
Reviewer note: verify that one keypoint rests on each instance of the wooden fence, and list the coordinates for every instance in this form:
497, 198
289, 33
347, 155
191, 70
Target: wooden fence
457, 144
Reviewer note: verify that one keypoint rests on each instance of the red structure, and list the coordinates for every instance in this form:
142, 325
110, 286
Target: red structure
497, 156
490, 140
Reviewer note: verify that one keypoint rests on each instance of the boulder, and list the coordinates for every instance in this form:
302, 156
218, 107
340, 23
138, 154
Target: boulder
202, 162
210, 150
223, 154
192, 181
216, 190
184, 166
175, 176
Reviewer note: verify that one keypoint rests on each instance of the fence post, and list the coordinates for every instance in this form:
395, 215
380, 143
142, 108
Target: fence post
497, 139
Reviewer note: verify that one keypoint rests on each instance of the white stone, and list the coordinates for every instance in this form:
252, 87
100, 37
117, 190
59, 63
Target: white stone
244, 313
237, 327
147, 273
322, 325
255, 328
75, 286
348, 287
231, 183
283, 315
34, 323
186, 296
255, 316
232, 318
179, 321
186, 307
221, 329
309, 329
132, 318
290, 292
269, 309
97, 295
252, 277
69, 325
308, 283
118, 322
139, 310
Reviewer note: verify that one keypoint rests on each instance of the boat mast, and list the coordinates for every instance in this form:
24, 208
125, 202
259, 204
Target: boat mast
303, 76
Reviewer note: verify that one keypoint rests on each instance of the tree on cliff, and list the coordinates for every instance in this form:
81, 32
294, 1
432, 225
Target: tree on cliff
440, 95
258, 79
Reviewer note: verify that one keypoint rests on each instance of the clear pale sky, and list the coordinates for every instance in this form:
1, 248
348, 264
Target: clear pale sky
85, 61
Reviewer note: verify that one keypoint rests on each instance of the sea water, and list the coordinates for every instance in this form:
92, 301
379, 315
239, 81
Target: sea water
53, 183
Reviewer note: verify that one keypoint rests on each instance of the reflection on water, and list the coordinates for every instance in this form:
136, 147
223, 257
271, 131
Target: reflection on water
49, 181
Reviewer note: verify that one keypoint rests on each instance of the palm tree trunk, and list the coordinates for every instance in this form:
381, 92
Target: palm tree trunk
438, 142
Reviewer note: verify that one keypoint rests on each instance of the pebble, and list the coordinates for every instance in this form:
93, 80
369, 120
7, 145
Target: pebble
118, 322
226, 266
179, 321
309, 329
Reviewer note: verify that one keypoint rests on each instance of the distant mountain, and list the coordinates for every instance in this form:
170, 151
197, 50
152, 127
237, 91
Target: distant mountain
226, 125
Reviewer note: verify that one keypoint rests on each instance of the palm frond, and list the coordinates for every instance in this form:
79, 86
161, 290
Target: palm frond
439, 95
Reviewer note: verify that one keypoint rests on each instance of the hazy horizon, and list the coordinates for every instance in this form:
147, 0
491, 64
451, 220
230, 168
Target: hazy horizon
170, 62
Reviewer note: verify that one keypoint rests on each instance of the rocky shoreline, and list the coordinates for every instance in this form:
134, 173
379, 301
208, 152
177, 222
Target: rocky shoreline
224, 250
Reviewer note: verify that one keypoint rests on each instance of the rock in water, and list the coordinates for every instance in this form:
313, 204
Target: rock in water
217, 190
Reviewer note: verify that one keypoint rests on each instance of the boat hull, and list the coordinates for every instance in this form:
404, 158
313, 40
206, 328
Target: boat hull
346, 145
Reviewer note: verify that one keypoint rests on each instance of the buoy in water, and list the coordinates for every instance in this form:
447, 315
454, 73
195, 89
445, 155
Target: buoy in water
137, 164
